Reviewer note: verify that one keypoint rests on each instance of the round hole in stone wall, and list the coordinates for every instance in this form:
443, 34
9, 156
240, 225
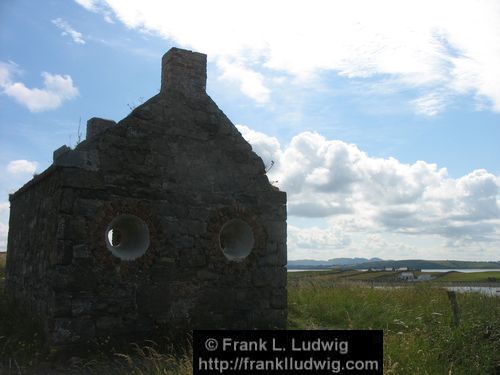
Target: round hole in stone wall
236, 239
127, 237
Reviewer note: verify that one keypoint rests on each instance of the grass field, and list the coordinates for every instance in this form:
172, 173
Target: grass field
384, 276
470, 277
419, 337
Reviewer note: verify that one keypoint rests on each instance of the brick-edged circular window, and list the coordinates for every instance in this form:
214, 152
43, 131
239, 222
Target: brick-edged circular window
236, 239
127, 237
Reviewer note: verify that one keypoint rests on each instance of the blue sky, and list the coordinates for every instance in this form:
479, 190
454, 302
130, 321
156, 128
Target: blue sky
382, 118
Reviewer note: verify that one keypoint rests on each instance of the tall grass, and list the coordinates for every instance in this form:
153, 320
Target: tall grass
143, 360
419, 337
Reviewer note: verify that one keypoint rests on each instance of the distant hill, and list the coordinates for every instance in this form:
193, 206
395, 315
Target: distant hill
335, 262
351, 261
364, 263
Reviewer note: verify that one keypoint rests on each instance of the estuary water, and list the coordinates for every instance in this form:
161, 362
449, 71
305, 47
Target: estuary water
462, 270
424, 270
486, 290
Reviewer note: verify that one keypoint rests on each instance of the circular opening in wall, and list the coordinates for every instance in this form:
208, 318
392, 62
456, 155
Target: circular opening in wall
236, 239
127, 237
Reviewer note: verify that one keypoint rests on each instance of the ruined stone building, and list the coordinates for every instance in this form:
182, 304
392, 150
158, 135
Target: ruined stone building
166, 218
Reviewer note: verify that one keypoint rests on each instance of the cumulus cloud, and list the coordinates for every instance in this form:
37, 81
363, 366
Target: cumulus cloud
268, 148
22, 166
426, 45
95, 6
317, 240
67, 29
251, 83
4, 231
358, 193
56, 89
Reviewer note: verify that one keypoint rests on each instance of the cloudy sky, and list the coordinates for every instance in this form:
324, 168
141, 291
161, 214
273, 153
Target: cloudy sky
381, 118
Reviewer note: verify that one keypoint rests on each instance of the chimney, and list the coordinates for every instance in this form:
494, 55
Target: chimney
97, 125
184, 72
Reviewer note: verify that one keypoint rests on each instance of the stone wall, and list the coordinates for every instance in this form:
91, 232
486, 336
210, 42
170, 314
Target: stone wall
35, 225
184, 198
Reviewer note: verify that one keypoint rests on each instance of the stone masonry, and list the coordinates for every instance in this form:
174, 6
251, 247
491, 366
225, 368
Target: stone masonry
164, 219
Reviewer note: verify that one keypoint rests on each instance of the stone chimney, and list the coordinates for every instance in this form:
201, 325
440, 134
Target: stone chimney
97, 125
184, 72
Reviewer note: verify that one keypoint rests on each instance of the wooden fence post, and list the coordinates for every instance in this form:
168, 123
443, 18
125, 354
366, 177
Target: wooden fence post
452, 296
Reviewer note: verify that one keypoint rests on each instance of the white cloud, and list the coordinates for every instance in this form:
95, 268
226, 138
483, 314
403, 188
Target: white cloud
251, 83
268, 148
22, 166
67, 29
447, 46
359, 194
7, 69
314, 240
4, 231
57, 89
4, 207
87, 4
96, 7
430, 104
